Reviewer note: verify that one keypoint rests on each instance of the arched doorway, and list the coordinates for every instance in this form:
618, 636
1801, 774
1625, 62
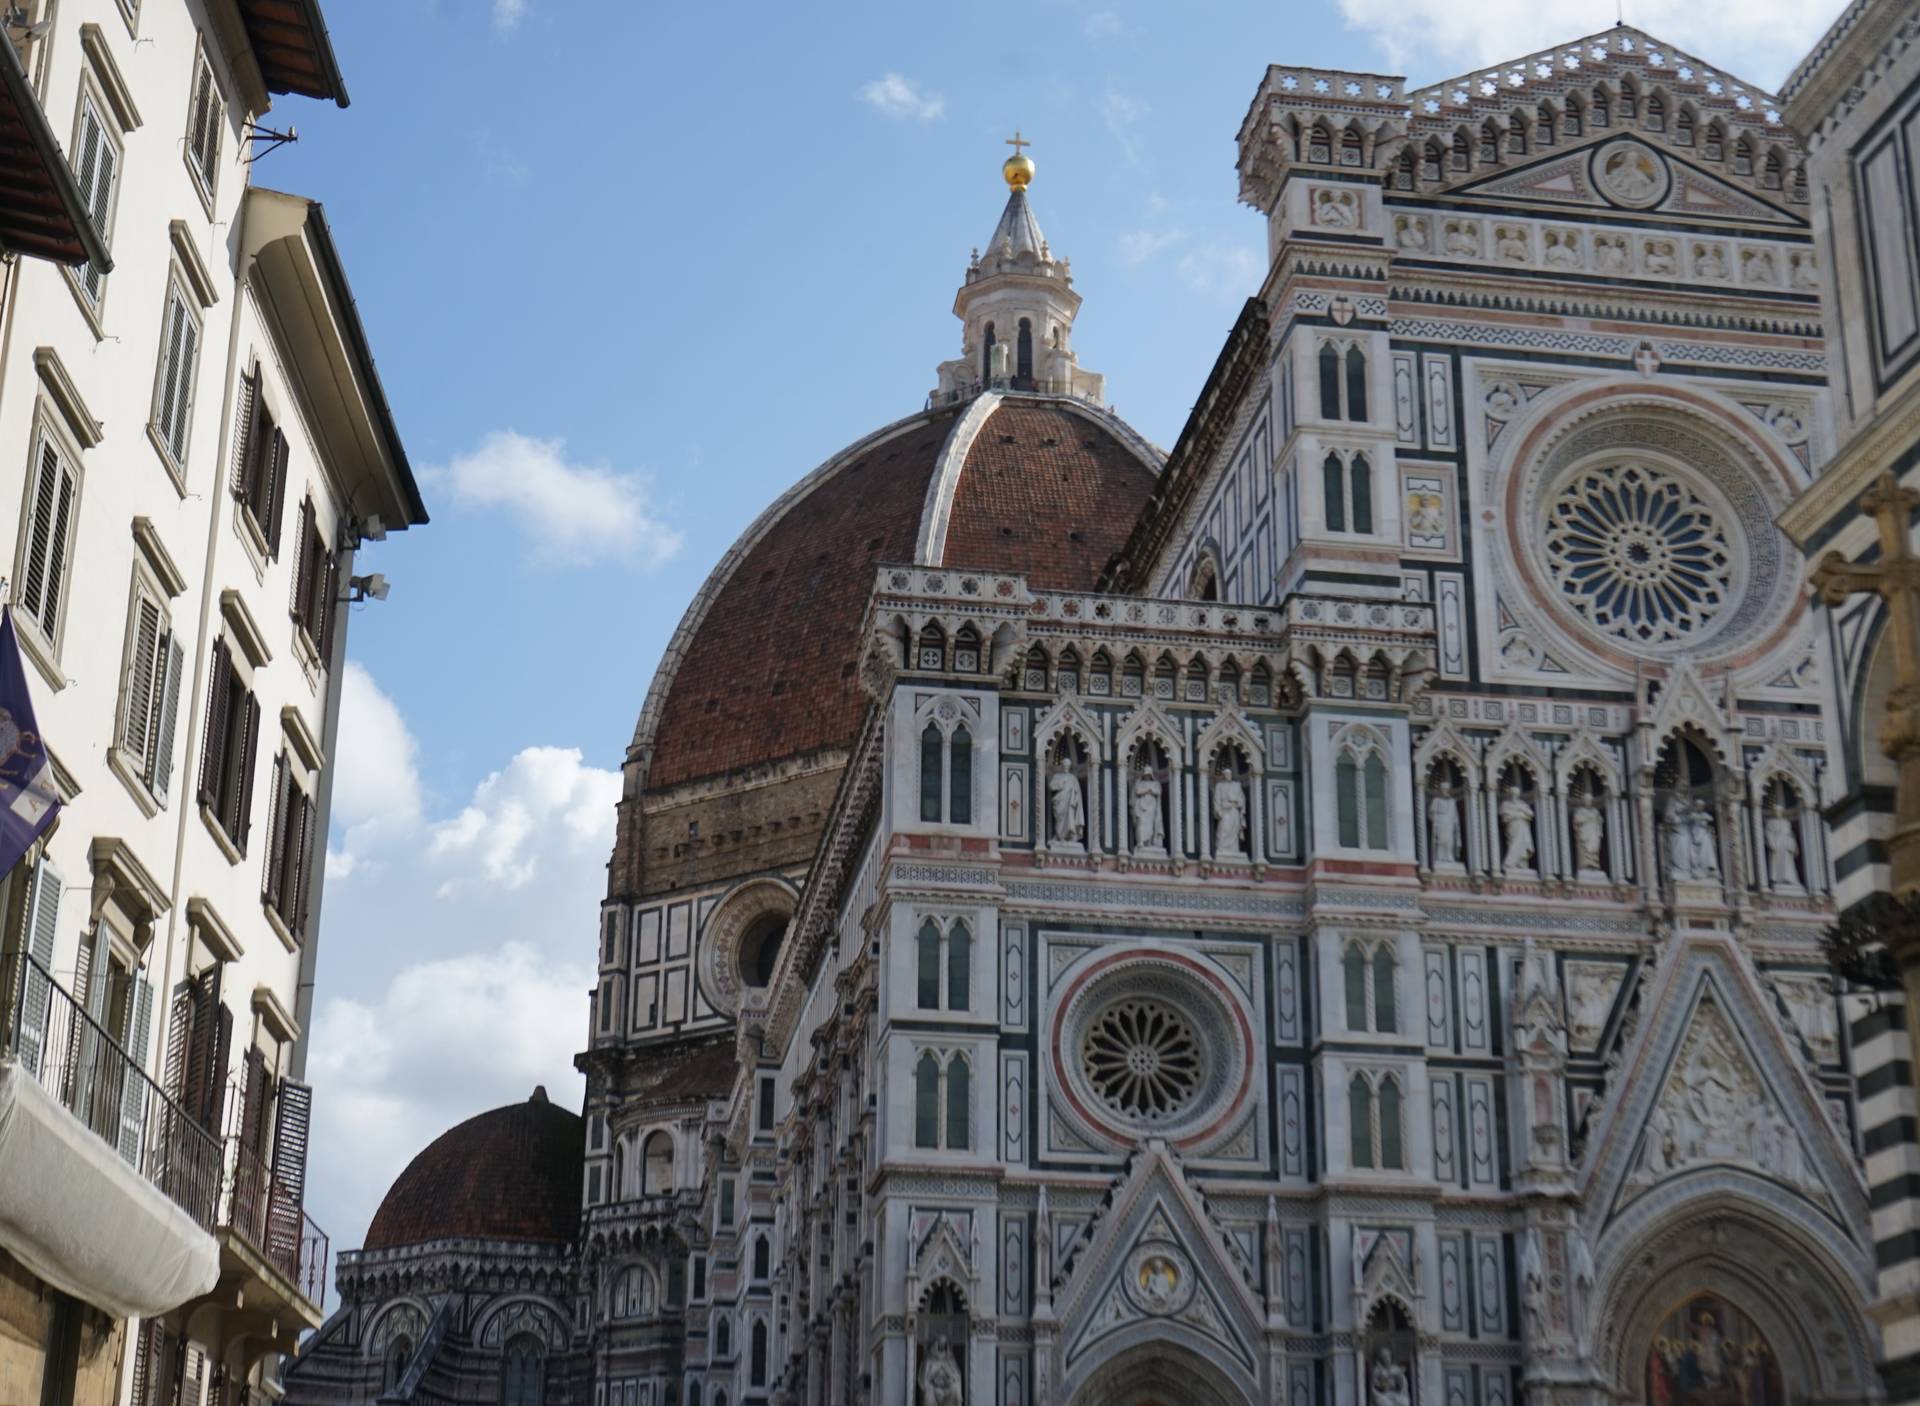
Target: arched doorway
1159, 1373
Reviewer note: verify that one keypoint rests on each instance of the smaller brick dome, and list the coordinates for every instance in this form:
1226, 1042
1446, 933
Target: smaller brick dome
512, 1173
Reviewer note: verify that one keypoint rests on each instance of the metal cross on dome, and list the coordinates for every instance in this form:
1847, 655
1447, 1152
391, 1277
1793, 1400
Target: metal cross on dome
1016, 141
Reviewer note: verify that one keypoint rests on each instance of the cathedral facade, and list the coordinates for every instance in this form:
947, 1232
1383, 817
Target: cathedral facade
1328, 913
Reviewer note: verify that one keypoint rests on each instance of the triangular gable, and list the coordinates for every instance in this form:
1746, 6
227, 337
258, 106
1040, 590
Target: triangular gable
1564, 177
1157, 1261
1712, 1085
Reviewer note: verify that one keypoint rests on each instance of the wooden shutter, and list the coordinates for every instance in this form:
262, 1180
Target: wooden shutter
171, 388
82, 1048
160, 772
276, 495
144, 664
304, 569
329, 602
43, 916
243, 792
303, 866
206, 1057
294, 1110
98, 161
213, 749
148, 1368
133, 1088
277, 840
46, 563
183, 403
246, 432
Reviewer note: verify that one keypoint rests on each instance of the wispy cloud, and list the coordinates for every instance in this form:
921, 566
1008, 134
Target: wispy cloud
507, 14
1140, 245
1428, 40
1102, 24
900, 97
1122, 113
1227, 271
501, 165
575, 513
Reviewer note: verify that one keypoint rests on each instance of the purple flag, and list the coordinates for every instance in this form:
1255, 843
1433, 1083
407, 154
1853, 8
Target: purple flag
29, 801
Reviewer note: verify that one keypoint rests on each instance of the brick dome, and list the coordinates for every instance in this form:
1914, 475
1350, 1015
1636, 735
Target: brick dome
512, 1173
764, 664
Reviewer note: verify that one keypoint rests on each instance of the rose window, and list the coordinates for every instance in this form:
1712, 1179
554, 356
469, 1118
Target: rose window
1143, 1059
1639, 554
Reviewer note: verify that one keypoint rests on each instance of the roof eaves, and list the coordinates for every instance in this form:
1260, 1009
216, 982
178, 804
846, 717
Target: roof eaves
13, 77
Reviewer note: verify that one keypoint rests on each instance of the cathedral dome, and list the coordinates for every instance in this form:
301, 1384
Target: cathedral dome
764, 665
512, 1173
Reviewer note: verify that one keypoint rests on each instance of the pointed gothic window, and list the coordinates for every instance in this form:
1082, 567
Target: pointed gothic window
1462, 151
1743, 157
1346, 791
960, 779
722, 1341
1656, 114
1360, 1121
1376, 777
1602, 109
930, 759
762, 1258
1384, 969
1434, 164
959, 1102
1714, 145
1543, 131
1770, 172
758, 1359
1332, 476
1023, 360
929, 964
1361, 476
523, 1371
1356, 384
1329, 381
1574, 110
1683, 127
926, 1102
656, 1164
986, 354
1390, 1154
1403, 172
959, 968
1354, 966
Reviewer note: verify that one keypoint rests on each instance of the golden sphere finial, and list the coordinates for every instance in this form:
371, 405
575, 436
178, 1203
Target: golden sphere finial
1018, 168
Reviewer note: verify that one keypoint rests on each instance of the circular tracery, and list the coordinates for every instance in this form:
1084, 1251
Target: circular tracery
1642, 556
1143, 1059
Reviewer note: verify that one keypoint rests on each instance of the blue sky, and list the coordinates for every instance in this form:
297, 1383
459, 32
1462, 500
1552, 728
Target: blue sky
629, 270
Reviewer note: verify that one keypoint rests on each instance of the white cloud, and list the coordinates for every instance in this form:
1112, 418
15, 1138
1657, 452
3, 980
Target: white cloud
897, 96
376, 774
1229, 271
1140, 245
1102, 24
544, 791
575, 513
444, 1040
1430, 40
1122, 113
507, 14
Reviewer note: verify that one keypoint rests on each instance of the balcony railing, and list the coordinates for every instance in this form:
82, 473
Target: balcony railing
88, 1072
267, 1213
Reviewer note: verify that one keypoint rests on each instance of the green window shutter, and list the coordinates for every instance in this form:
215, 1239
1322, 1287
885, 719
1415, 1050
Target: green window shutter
133, 1088
42, 923
143, 663
160, 768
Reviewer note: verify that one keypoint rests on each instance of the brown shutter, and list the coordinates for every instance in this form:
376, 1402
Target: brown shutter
246, 433
303, 568
303, 858
214, 744
206, 1050
329, 603
276, 839
276, 495
243, 793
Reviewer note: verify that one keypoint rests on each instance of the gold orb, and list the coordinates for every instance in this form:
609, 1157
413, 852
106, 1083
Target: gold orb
1018, 170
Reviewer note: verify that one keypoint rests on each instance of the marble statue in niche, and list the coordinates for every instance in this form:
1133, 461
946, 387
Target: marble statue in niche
1516, 822
940, 1377
1066, 803
1229, 813
1783, 849
1692, 854
1387, 1382
1443, 828
1533, 1288
1149, 827
1589, 836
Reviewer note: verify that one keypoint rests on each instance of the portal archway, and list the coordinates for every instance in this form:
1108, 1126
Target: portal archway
1159, 1373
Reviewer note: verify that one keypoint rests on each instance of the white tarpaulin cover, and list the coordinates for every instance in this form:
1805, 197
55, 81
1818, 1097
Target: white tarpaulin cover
83, 1220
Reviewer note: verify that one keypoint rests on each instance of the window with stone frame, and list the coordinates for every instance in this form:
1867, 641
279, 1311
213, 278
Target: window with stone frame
96, 171
942, 1102
260, 463
1370, 975
1362, 809
946, 766
205, 112
316, 583
175, 376
287, 890
943, 960
1343, 381
48, 522
149, 692
1347, 491
232, 743
1375, 1123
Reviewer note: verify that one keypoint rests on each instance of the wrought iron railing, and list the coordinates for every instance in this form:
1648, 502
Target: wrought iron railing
72, 1056
267, 1213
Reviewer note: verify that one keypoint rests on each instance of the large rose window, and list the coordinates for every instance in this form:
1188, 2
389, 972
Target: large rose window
1143, 1059
1643, 557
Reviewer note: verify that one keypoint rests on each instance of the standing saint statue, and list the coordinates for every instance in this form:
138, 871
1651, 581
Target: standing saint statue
1149, 830
1516, 820
1229, 814
1443, 828
1069, 810
1589, 833
940, 1377
1783, 849
1702, 850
